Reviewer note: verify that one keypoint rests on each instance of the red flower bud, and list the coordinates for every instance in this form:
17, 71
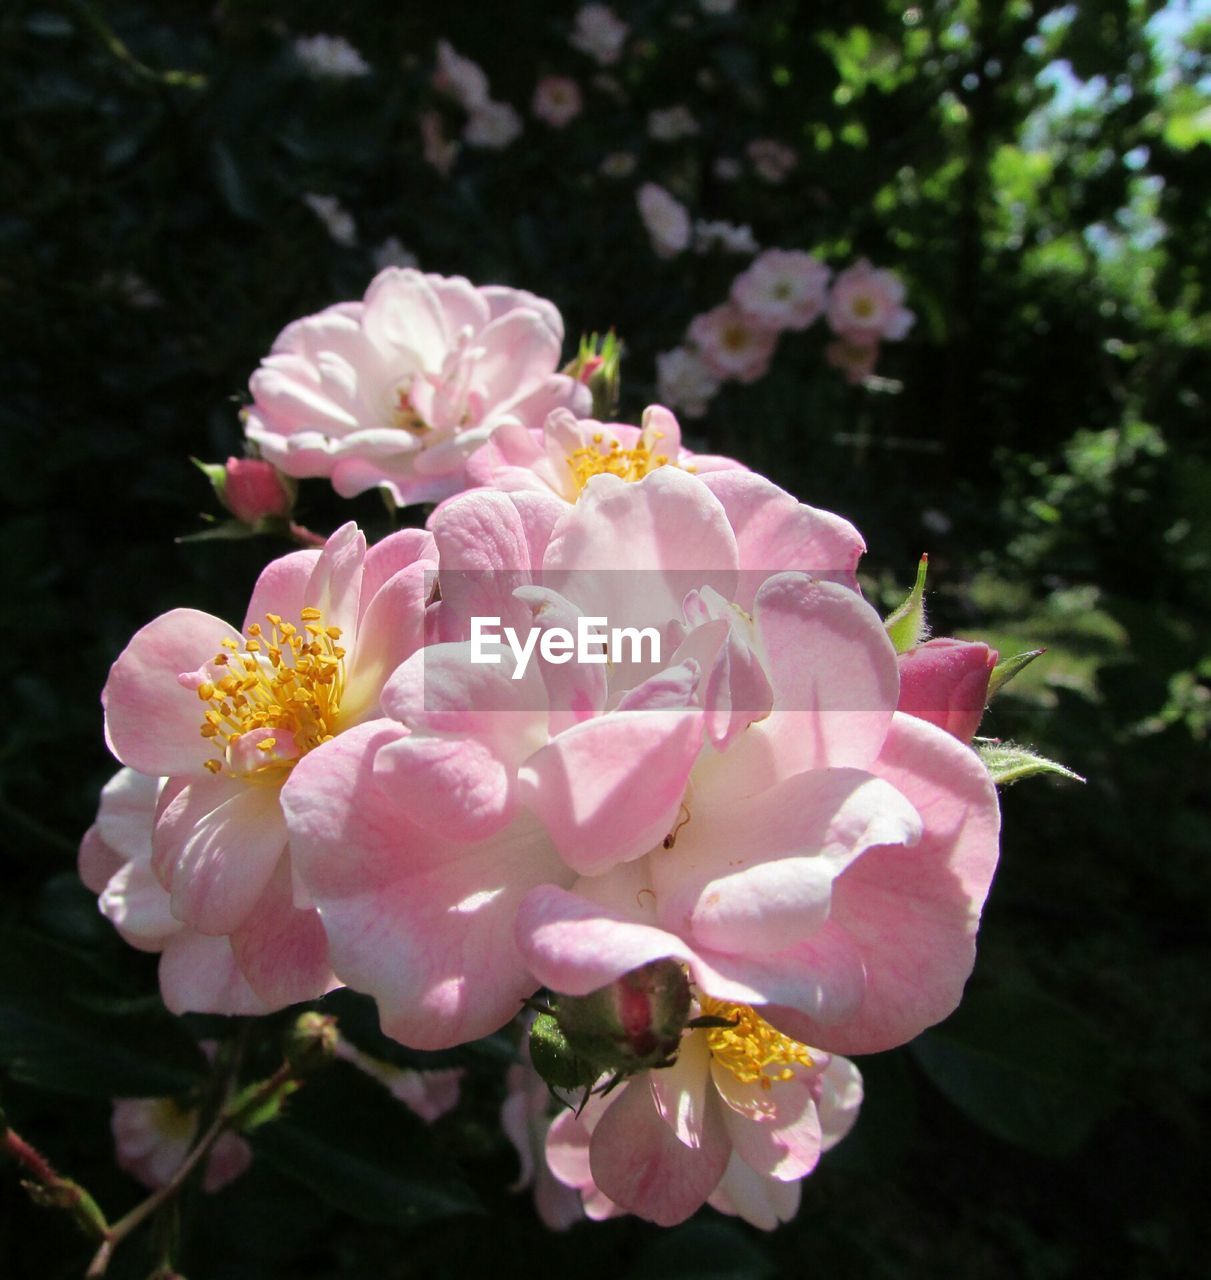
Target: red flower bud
945, 682
253, 490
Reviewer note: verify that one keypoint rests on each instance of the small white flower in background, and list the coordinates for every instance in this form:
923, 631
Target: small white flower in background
936, 522
683, 382
493, 126
772, 161
335, 217
330, 57
667, 220
599, 33
391, 253
671, 123
783, 289
723, 235
726, 169
460, 78
557, 101
436, 149
717, 8
618, 164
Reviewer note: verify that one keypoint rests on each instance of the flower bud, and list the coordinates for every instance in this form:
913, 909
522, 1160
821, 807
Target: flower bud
554, 1058
945, 681
311, 1043
253, 490
634, 1023
598, 365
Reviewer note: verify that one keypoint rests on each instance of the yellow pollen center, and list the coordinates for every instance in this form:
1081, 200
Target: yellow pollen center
287, 679
627, 464
735, 337
752, 1050
404, 415
863, 307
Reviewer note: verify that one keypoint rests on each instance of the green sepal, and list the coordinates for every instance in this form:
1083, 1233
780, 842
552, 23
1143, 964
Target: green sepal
259, 1103
554, 1058
1009, 763
1007, 668
906, 626
237, 530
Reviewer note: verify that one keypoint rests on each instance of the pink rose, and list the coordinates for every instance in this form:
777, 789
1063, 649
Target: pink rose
945, 682
866, 305
666, 219
782, 289
570, 451
224, 717
557, 101
733, 343
152, 1137
396, 391
741, 1117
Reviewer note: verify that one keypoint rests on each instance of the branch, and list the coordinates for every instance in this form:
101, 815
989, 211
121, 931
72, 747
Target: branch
51, 1189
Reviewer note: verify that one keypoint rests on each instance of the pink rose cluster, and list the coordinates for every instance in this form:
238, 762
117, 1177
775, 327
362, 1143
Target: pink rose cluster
349, 787
785, 290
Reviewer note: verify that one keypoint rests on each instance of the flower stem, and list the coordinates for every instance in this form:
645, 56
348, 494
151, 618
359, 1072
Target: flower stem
49, 1188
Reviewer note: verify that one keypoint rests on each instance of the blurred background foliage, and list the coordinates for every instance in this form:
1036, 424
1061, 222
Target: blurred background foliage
1039, 176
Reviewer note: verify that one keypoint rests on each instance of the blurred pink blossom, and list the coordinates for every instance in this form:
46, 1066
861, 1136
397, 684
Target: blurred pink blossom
557, 101
733, 343
772, 161
782, 289
152, 1137
599, 33
865, 305
855, 360
685, 382
667, 220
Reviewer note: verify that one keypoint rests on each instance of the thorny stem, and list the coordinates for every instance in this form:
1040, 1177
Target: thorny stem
49, 1188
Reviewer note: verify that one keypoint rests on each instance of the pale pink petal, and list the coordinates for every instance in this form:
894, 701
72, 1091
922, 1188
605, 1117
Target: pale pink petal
518, 350
282, 587
641, 1165
404, 314
128, 813
216, 844
680, 1092
840, 1099
757, 874
774, 532
766, 1203
336, 581
391, 629
96, 862
833, 671
610, 789
198, 974
152, 722
138, 905
912, 914
422, 923
775, 1131
229, 1158
282, 950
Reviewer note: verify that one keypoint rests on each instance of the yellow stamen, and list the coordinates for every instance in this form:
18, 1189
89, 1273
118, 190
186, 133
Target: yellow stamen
626, 464
752, 1045
288, 680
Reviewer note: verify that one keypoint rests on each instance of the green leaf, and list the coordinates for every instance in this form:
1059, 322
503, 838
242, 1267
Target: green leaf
1023, 1066
1007, 668
64, 1027
363, 1152
1008, 763
906, 625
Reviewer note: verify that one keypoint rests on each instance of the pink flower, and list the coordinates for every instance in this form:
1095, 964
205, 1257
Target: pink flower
598, 33
254, 491
225, 717
671, 123
570, 451
683, 381
782, 289
739, 1120
526, 1116
830, 870
945, 682
772, 161
198, 972
667, 220
429, 1095
856, 360
460, 78
152, 1137
395, 391
732, 343
865, 305
557, 101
